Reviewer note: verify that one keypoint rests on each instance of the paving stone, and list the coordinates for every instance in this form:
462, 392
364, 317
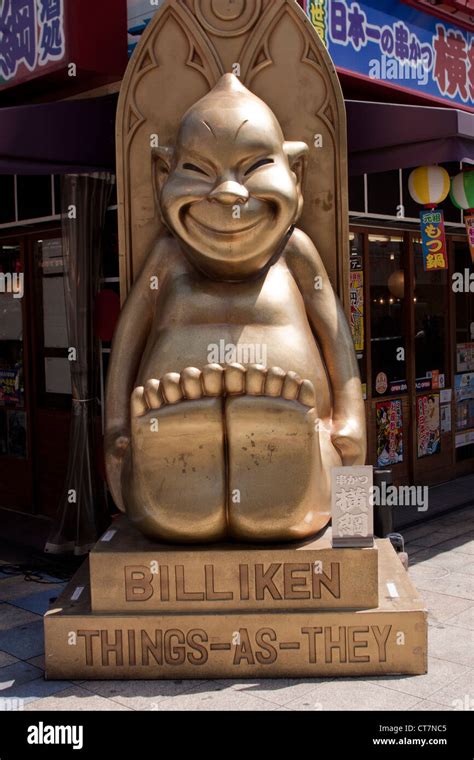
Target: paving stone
458, 694
449, 560
442, 580
434, 538
464, 619
40, 602
25, 641
17, 673
443, 606
7, 659
439, 673
352, 694
38, 661
210, 697
140, 695
447, 642
463, 544
426, 706
279, 691
17, 588
38, 688
74, 698
12, 617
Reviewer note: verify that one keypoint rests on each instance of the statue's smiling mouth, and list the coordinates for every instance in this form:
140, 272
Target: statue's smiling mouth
212, 219
227, 231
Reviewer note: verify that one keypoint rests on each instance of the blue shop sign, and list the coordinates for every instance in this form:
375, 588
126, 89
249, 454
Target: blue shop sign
383, 40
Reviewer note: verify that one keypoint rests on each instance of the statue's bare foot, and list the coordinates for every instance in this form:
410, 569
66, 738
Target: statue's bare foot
278, 489
176, 483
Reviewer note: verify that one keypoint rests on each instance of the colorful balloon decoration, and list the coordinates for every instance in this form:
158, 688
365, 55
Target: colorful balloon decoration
462, 190
429, 186
462, 195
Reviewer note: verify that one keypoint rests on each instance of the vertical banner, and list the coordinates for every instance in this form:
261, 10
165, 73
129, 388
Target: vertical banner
389, 433
433, 239
428, 425
470, 233
357, 309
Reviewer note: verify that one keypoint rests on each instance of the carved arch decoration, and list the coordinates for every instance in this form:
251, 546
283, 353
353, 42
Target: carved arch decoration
183, 52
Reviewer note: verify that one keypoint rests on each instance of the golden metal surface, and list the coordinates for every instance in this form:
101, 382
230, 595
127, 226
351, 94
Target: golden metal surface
199, 450
182, 54
130, 573
265, 644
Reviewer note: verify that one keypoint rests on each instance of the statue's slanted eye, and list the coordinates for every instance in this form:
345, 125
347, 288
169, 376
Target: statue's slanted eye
259, 164
194, 168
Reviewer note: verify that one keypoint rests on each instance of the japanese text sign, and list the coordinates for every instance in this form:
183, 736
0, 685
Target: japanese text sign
433, 239
399, 45
352, 506
32, 38
470, 233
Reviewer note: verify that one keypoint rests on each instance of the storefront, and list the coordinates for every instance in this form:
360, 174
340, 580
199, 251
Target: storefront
413, 329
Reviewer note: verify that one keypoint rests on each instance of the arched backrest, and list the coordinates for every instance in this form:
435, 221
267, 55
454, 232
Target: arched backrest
272, 45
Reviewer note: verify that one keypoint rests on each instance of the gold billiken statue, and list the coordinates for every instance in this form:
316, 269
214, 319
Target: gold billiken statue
200, 452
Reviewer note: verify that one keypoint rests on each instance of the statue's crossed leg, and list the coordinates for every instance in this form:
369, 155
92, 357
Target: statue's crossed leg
226, 452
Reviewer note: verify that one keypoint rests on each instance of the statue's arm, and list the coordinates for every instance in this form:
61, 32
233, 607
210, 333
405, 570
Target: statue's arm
332, 331
128, 346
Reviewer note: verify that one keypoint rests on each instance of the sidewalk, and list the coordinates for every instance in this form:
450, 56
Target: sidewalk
441, 555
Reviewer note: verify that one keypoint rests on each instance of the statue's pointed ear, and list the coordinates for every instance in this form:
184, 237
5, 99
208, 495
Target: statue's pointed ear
297, 153
162, 159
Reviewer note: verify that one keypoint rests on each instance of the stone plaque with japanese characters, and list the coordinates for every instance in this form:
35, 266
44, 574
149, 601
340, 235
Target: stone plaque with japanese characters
352, 507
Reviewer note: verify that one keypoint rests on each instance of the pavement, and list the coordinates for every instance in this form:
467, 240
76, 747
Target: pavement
441, 553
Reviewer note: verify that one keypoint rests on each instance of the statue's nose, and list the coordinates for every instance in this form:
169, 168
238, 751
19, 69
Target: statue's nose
229, 193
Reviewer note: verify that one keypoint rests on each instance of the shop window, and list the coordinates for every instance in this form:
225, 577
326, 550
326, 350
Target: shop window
13, 431
384, 193
7, 195
54, 387
356, 194
358, 306
34, 197
110, 264
431, 326
464, 360
387, 314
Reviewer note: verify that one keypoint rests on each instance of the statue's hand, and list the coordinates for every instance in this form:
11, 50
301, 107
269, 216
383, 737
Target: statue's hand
117, 444
348, 437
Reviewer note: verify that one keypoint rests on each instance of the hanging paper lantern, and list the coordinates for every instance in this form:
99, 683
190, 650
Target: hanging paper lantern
429, 185
462, 190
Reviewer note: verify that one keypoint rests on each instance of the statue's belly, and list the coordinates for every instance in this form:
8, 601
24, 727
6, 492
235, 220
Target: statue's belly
290, 347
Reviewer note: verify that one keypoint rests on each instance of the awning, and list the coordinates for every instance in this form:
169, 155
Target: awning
78, 136
384, 136
69, 136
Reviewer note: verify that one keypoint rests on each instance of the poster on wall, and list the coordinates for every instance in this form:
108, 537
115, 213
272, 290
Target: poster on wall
389, 433
464, 386
17, 441
445, 419
465, 357
357, 309
9, 386
470, 233
428, 425
433, 240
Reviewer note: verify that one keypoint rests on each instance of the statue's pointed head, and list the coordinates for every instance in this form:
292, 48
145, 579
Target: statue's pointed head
231, 188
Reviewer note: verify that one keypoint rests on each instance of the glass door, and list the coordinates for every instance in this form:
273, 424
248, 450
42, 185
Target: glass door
15, 418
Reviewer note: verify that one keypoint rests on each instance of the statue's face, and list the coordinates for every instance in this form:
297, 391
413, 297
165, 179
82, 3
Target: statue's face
232, 189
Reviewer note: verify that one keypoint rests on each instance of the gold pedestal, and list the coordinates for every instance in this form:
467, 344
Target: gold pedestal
255, 612
130, 574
